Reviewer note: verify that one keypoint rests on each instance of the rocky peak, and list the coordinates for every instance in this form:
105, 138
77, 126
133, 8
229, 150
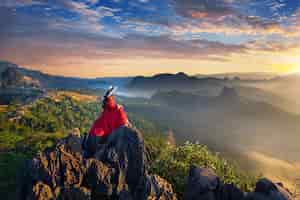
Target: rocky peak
182, 74
4, 65
11, 77
117, 171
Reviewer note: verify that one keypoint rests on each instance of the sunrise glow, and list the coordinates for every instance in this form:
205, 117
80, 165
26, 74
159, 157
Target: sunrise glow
116, 38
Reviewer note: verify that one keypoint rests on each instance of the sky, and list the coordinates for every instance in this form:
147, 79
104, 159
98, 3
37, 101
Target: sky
95, 38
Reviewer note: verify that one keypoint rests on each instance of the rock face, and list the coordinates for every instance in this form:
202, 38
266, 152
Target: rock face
203, 184
117, 171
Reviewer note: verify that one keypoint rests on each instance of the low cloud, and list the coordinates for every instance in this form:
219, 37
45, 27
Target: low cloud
198, 9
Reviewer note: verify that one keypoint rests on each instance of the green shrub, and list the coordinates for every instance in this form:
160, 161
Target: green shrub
174, 164
9, 140
45, 121
49, 115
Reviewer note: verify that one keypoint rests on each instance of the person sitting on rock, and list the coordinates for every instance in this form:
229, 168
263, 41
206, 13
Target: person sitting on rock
112, 117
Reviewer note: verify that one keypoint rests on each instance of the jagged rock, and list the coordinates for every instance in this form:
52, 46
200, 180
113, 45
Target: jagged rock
125, 151
161, 189
204, 184
74, 194
229, 192
99, 178
117, 171
41, 191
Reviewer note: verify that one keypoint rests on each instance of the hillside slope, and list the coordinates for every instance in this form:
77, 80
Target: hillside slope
42, 124
120, 170
50, 81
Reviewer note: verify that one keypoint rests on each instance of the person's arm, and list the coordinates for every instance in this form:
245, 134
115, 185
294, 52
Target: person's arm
123, 120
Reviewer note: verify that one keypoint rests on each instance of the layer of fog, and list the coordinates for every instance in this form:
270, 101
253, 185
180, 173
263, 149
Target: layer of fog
285, 87
121, 88
253, 128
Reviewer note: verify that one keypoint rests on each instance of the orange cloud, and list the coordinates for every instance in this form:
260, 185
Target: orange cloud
195, 14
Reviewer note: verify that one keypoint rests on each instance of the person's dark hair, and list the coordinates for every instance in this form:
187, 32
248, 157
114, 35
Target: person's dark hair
107, 94
104, 102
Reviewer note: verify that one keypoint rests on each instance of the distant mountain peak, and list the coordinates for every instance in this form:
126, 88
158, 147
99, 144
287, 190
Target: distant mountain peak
181, 74
170, 75
7, 64
43, 80
11, 77
169, 81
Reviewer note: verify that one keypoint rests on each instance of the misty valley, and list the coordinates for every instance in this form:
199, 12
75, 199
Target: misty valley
252, 122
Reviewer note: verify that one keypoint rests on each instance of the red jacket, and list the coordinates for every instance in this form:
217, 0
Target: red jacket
112, 117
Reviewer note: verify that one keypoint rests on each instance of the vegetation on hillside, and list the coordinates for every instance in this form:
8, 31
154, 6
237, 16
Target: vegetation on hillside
174, 163
25, 130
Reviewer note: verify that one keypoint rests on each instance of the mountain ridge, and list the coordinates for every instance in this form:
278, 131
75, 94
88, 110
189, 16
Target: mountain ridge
48, 81
169, 81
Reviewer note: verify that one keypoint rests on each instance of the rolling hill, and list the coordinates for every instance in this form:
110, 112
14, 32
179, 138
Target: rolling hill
179, 81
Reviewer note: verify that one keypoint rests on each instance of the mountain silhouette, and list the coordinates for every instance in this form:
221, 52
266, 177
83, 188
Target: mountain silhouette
48, 81
177, 81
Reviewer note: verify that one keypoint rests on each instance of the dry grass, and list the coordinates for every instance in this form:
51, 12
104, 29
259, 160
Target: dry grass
57, 96
3, 108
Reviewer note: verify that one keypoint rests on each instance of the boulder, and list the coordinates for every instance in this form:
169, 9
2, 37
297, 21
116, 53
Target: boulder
229, 192
204, 184
267, 190
118, 170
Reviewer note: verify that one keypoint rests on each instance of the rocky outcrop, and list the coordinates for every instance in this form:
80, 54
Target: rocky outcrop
204, 184
117, 171
266, 190
12, 78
